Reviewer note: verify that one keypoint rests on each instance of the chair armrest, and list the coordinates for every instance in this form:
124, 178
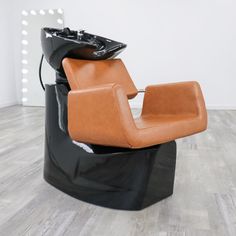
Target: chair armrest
100, 115
174, 99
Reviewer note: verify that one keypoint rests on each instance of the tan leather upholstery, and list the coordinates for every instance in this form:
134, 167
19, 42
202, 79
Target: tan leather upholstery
100, 113
83, 74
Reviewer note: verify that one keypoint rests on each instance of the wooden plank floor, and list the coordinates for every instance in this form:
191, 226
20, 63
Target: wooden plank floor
203, 203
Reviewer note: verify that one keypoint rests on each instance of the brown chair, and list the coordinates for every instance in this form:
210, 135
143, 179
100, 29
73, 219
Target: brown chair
99, 112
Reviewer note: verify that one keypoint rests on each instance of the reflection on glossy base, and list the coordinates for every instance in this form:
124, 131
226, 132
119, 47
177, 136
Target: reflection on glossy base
105, 176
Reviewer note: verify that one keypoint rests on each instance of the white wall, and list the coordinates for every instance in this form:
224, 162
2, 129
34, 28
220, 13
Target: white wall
7, 80
167, 40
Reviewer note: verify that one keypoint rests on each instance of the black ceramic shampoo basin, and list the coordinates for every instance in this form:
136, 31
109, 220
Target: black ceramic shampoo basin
57, 44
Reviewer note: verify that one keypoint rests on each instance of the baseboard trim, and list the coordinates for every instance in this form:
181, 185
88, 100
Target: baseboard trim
221, 107
8, 104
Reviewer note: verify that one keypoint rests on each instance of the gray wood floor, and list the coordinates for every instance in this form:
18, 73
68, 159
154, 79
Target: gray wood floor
203, 203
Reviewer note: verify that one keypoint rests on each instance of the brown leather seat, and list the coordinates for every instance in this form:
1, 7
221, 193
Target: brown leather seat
99, 112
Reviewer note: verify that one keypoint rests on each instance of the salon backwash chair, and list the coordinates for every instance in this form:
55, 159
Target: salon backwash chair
94, 149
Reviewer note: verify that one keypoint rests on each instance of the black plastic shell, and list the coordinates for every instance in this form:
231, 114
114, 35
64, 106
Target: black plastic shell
118, 178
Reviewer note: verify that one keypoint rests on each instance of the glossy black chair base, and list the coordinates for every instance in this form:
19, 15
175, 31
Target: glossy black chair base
111, 177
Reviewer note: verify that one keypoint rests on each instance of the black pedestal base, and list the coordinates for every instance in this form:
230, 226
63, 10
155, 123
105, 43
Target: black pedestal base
112, 177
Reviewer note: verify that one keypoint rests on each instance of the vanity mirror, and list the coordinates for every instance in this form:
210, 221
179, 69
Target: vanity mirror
32, 22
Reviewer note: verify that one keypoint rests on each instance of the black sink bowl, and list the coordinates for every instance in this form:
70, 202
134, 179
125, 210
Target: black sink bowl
58, 44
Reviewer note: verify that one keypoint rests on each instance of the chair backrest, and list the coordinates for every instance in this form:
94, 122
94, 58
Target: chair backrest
82, 74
